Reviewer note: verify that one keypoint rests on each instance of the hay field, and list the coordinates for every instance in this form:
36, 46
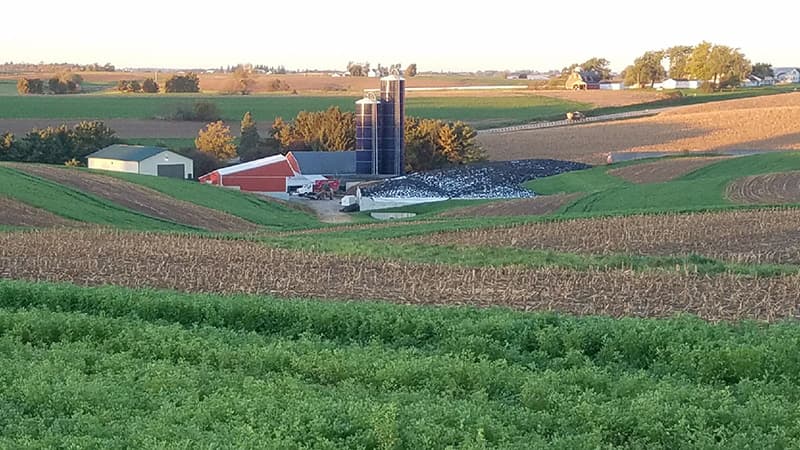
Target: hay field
753, 123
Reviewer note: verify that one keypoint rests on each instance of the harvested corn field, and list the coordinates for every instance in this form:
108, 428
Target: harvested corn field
662, 170
540, 205
183, 263
753, 123
139, 198
757, 236
18, 214
772, 188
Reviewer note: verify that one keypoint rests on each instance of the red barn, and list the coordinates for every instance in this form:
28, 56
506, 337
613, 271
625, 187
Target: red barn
261, 175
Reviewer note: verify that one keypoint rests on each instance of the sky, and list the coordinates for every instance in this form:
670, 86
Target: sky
436, 35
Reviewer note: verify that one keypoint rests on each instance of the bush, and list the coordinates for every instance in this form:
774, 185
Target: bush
149, 86
182, 83
202, 110
707, 87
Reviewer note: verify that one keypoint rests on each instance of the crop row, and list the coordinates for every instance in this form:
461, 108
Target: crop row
194, 264
750, 236
109, 367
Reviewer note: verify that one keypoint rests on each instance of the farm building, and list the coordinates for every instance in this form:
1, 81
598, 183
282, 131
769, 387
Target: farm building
787, 74
142, 160
612, 85
323, 163
266, 175
583, 79
680, 83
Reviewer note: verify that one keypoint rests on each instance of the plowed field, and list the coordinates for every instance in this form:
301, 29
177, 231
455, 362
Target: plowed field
18, 214
766, 236
661, 171
139, 198
203, 265
754, 123
544, 204
773, 188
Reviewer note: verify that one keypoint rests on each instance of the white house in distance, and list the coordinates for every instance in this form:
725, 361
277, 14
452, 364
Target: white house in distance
671, 83
142, 160
787, 74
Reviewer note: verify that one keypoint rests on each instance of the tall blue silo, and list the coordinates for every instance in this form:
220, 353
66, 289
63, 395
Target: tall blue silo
391, 122
367, 135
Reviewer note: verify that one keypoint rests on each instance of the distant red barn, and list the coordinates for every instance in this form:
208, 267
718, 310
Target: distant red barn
261, 175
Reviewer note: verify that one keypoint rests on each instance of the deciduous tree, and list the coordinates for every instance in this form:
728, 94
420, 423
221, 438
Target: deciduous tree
182, 83
411, 71
216, 139
763, 70
149, 86
646, 69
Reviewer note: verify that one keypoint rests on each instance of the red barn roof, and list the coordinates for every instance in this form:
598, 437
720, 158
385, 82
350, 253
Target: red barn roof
261, 175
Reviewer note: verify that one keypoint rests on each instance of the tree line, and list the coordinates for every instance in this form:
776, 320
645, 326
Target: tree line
429, 143
58, 144
363, 69
719, 65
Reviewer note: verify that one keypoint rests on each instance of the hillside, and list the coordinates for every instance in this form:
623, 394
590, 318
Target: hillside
47, 195
753, 123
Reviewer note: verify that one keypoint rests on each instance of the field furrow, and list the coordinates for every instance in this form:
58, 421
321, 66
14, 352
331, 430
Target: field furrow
752, 236
192, 264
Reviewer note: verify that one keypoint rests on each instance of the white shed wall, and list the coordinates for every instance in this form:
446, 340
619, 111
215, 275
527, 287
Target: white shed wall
113, 165
149, 166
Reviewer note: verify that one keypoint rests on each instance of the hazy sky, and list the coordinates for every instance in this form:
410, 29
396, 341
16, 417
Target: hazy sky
437, 35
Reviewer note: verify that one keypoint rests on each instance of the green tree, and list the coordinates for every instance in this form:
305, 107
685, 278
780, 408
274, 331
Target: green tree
249, 140
763, 70
357, 70
149, 86
182, 83
216, 139
411, 71
432, 144
332, 129
599, 65
678, 56
718, 64
646, 69
90, 136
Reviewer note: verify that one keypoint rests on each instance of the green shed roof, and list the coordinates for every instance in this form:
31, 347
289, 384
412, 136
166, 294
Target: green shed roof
124, 152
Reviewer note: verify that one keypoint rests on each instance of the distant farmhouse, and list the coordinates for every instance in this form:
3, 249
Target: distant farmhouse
785, 75
581, 79
142, 160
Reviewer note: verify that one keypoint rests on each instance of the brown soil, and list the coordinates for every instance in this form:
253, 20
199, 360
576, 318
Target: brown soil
663, 170
139, 198
773, 188
19, 214
754, 123
765, 236
544, 204
101, 257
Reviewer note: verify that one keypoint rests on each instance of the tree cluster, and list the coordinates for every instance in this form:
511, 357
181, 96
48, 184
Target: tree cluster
432, 144
202, 110
182, 83
148, 86
57, 145
718, 65
429, 143
216, 139
330, 130
62, 83
57, 67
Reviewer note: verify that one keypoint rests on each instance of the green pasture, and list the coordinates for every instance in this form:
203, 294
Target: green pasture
76, 205
119, 368
702, 189
251, 207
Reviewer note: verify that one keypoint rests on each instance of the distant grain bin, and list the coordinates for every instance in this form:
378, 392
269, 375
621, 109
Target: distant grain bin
380, 128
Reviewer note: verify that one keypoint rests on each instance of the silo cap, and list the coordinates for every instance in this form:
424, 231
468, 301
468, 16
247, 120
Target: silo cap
366, 101
392, 78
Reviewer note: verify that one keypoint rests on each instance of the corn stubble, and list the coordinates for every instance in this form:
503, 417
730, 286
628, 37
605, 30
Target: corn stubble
187, 263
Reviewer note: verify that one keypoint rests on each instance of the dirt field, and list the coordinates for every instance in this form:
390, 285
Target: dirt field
773, 188
19, 214
754, 123
182, 263
544, 204
141, 199
765, 236
661, 171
